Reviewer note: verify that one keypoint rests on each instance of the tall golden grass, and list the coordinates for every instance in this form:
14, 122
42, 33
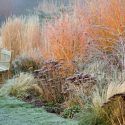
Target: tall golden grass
12, 35
66, 37
22, 35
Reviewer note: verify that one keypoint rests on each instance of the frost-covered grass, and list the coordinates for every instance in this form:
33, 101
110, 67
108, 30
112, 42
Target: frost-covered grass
18, 86
15, 112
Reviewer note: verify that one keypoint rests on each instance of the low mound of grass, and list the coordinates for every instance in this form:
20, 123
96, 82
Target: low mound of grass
18, 86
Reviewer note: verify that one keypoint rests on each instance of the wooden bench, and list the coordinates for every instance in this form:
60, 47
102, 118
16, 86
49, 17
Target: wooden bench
5, 63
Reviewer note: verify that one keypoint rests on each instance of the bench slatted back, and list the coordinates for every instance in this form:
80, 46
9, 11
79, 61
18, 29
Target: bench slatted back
5, 58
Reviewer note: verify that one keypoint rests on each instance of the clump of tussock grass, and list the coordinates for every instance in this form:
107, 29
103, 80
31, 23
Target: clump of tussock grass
18, 86
107, 106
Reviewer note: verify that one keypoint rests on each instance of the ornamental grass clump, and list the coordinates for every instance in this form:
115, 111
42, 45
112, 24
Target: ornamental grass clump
107, 106
18, 86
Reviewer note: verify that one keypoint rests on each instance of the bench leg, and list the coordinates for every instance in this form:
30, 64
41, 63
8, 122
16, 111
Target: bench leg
5, 76
1, 78
1, 81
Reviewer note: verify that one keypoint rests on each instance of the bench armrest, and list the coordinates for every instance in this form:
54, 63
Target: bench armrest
4, 61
